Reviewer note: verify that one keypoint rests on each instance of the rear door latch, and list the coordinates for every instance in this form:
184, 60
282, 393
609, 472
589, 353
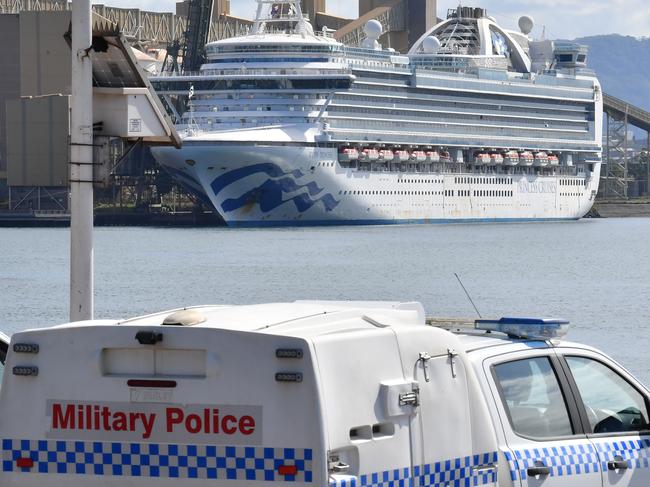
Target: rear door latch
410, 398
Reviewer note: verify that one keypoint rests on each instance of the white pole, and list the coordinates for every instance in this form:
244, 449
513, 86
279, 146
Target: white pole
81, 168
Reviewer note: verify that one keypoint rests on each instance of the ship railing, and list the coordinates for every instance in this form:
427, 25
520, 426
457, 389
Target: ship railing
257, 72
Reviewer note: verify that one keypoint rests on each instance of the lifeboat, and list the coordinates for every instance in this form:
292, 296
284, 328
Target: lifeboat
402, 155
482, 158
553, 160
526, 158
348, 154
497, 159
370, 154
445, 157
386, 155
511, 158
433, 156
419, 156
541, 159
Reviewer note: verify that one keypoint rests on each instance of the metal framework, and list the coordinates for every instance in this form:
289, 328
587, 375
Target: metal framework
139, 26
616, 170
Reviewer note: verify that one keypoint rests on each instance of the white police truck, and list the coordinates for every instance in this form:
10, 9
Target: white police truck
307, 394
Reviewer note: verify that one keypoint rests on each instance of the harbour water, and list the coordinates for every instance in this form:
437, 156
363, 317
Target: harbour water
596, 273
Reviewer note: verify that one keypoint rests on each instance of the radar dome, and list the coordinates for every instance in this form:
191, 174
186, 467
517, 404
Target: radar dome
430, 45
373, 29
526, 24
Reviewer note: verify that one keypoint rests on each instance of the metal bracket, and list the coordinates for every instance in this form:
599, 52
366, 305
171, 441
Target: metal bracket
424, 358
452, 360
410, 398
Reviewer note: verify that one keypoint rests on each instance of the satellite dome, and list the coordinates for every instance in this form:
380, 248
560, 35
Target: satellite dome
430, 45
373, 29
526, 24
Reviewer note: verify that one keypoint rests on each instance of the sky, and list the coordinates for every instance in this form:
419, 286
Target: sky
559, 19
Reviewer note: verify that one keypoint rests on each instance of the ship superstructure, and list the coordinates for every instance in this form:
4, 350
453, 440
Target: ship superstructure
474, 123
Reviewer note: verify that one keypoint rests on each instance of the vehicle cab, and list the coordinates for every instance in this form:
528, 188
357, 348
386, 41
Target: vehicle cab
315, 393
565, 414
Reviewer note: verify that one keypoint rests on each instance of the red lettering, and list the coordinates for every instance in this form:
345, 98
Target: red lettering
246, 425
174, 416
61, 421
193, 428
147, 422
229, 430
206, 420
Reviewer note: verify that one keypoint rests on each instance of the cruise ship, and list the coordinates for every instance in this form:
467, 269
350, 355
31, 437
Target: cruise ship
476, 123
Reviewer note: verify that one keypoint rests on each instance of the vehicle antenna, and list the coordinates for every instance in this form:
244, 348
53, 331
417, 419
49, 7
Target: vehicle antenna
468, 296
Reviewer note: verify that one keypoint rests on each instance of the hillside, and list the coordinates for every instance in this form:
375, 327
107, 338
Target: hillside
623, 66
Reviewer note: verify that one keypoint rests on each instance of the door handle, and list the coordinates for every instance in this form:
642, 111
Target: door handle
539, 470
617, 464
483, 469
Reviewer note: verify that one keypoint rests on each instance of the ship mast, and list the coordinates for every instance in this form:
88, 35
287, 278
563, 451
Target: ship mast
280, 13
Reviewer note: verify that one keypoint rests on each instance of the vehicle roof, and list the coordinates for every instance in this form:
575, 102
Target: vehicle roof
309, 319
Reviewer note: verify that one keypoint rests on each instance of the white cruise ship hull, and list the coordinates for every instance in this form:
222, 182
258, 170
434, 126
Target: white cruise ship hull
284, 184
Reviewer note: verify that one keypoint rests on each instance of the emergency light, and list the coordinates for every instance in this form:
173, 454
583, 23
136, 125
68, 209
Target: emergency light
538, 328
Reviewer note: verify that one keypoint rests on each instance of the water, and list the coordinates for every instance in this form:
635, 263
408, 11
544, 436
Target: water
593, 272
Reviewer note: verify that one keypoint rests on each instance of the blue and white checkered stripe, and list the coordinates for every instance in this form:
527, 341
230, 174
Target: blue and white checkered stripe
462, 471
398, 477
636, 452
342, 480
457, 472
562, 460
157, 460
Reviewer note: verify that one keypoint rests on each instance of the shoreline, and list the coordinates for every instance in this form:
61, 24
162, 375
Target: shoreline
633, 208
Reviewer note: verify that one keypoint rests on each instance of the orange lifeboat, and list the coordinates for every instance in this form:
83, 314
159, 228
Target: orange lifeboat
511, 158
386, 155
370, 154
402, 155
433, 156
419, 156
497, 159
541, 159
348, 154
553, 160
526, 158
482, 158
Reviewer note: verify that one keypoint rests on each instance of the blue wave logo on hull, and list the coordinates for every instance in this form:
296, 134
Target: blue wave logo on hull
271, 194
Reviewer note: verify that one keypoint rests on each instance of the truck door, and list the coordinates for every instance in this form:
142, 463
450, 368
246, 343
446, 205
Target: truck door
545, 443
615, 410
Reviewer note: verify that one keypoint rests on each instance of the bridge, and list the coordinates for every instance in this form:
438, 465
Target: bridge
617, 160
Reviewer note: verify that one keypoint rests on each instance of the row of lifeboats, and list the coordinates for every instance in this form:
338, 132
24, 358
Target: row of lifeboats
481, 158
370, 154
514, 158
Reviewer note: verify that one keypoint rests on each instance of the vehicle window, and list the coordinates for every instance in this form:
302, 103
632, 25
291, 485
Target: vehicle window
3, 355
533, 398
612, 404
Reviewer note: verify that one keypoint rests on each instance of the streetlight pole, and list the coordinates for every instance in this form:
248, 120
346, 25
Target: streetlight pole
81, 165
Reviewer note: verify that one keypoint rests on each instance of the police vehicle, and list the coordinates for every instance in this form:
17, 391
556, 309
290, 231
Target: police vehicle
340, 394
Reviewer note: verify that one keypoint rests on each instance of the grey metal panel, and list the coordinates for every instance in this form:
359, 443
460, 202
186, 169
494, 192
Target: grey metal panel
44, 54
37, 141
10, 78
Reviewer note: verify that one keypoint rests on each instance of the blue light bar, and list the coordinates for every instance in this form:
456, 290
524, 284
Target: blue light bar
538, 328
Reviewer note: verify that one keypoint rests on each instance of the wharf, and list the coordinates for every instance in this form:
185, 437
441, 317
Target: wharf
632, 208
112, 218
